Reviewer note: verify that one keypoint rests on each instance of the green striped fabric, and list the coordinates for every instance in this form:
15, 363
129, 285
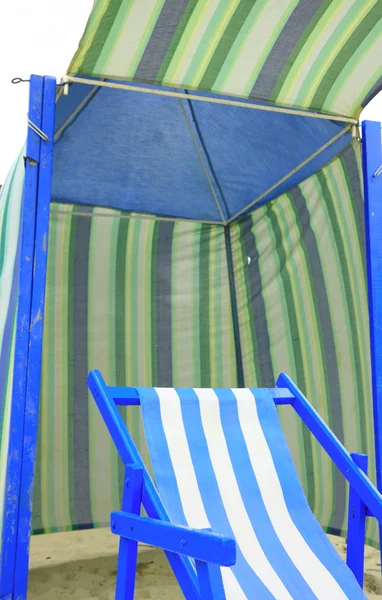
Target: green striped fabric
148, 303
323, 55
10, 211
302, 306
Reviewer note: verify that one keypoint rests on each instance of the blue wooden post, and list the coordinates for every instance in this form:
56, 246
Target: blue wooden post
35, 341
128, 549
26, 376
28, 221
355, 553
372, 174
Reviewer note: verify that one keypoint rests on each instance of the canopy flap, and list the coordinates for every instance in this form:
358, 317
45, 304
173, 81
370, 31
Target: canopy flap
312, 54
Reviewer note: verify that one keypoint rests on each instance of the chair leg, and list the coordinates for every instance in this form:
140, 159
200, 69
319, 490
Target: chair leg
127, 565
128, 549
210, 581
357, 526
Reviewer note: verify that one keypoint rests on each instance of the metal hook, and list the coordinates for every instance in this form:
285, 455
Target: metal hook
20, 80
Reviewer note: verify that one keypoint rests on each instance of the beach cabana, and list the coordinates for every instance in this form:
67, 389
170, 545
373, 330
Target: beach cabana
193, 207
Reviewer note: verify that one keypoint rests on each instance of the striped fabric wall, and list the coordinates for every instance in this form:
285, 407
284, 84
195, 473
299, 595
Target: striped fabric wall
10, 241
302, 306
317, 54
146, 302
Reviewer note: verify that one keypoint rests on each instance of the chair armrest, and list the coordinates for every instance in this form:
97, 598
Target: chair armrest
195, 543
333, 447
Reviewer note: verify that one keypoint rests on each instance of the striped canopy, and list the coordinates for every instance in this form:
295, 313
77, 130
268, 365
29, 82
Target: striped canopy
322, 55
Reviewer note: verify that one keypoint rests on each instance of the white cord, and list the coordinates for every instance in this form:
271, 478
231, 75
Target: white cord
37, 130
164, 92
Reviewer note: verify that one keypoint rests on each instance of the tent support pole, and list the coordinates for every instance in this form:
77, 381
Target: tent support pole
28, 352
254, 105
372, 160
235, 319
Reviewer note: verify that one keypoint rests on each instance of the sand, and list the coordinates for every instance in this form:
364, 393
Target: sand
82, 566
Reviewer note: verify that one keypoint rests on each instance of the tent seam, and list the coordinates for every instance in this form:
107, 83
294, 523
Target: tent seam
189, 126
289, 174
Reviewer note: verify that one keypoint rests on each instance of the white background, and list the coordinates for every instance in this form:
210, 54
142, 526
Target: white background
41, 36
36, 36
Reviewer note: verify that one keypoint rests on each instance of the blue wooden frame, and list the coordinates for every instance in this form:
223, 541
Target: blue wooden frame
372, 179
28, 219
26, 376
355, 552
364, 498
150, 499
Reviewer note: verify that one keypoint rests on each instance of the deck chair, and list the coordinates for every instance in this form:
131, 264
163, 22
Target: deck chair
227, 506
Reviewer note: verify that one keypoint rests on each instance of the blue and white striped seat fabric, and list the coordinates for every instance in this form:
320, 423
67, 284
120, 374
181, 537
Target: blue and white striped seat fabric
220, 460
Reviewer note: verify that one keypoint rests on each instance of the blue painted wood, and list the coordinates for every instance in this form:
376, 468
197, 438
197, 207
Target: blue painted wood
195, 543
334, 448
11, 504
281, 396
372, 159
128, 396
35, 342
355, 553
114, 422
127, 450
124, 396
128, 549
210, 581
